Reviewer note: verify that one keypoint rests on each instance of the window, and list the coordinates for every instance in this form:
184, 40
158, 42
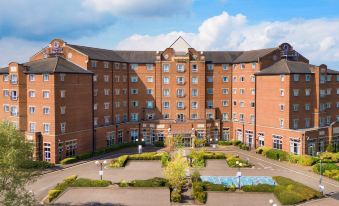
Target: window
234, 117
32, 77
224, 91
14, 79
95, 78
106, 119
135, 103
117, 66
225, 78
165, 67
6, 77
106, 65
62, 93
295, 92
234, 91
252, 78
95, 106
282, 92
209, 79
14, 95
63, 127
166, 92
166, 80
295, 123
252, 117
194, 80
277, 142
106, 78
261, 138
252, 104
242, 91
224, 103
281, 123
149, 91
234, 103
31, 93
134, 79
31, 109
150, 116
234, 79
294, 146
134, 66
120, 136
209, 90
117, 118
194, 116
307, 122
252, 91
282, 77
329, 78
295, 107
63, 110
180, 80
149, 67
225, 67
93, 63
134, 91
234, 66
180, 93
296, 77
337, 90
45, 94
194, 68
307, 92
46, 77
47, 152
110, 136
194, 105
241, 117
209, 115
6, 93
307, 77
242, 79
254, 65
116, 78
14, 111
282, 107
180, 117
209, 104
106, 105
45, 110
194, 92
165, 116
166, 105
71, 148
242, 104
180, 105
46, 128
210, 67
322, 79
134, 117
62, 77
149, 104
224, 116
150, 79
106, 92
180, 67
6, 108
32, 126
117, 91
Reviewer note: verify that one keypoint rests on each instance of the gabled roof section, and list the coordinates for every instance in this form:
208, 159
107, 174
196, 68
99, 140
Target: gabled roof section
4, 70
253, 55
180, 45
98, 54
331, 71
54, 65
221, 57
137, 56
286, 67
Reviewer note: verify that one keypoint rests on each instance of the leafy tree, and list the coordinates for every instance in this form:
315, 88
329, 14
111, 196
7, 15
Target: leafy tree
330, 148
174, 142
14, 152
175, 172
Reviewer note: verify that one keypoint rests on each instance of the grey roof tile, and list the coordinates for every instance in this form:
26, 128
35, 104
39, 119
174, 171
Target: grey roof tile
287, 67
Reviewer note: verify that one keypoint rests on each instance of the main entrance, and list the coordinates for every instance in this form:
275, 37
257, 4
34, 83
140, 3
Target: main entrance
186, 138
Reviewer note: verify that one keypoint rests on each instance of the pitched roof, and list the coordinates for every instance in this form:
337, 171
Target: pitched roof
286, 67
331, 71
218, 57
98, 54
253, 55
50, 65
137, 56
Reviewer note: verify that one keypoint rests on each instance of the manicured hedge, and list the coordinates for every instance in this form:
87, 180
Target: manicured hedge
224, 143
30, 164
232, 161
176, 196
159, 143
208, 186
154, 182
290, 192
83, 182
199, 157
122, 160
277, 154
119, 162
258, 188
262, 150
198, 192
330, 157
330, 170
306, 160
69, 160
244, 146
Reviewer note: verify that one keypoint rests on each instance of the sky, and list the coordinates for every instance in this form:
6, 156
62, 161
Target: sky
310, 26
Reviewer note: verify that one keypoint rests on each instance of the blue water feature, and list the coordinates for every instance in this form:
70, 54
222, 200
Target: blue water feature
233, 180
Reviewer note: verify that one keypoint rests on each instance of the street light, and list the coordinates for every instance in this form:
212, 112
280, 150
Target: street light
321, 186
101, 164
139, 145
239, 173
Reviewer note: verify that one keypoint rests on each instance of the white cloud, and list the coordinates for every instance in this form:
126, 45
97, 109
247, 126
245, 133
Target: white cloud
314, 38
145, 8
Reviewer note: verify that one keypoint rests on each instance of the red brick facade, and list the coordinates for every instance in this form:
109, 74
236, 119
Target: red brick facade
126, 96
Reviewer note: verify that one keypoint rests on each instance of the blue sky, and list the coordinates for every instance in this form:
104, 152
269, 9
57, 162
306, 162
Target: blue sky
312, 27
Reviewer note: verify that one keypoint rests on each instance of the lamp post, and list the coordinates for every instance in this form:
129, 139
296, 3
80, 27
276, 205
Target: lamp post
101, 164
321, 186
192, 137
239, 173
139, 145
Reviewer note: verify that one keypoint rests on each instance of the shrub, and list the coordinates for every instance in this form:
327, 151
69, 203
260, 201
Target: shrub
145, 156
306, 160
119, 162
324, 167
68, 160
123, 183
199, 142
83, 156
329, 157
52, 194
164, 159
30, 164
83, 182
258, 188
159, 144
208, 186
175, 196
293, 158
277, 154
236, 142
198, 158
262, 150
154, 182
214, 155
334, 174
198, 192
330, 148
195, 176
244, 147
232, 161
225, 143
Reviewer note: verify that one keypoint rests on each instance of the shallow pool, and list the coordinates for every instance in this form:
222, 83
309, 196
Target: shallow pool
233, 180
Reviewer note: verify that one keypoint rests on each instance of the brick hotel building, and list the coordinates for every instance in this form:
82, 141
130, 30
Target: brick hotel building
71, 99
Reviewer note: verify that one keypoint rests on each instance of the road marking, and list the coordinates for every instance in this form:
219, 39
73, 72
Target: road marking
295, 171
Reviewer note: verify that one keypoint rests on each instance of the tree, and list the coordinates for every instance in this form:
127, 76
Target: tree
176, 170
14, 152
174, 142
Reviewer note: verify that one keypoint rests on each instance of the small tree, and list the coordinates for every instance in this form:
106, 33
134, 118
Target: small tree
14, 152
175, 171
330, 148
173, 142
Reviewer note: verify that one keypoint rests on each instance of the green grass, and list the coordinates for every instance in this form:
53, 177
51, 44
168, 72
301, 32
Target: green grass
258, 188
154, 182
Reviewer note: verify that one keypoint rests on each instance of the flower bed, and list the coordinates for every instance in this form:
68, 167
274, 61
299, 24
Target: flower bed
154, 182
199, 157
232, 161
122, 160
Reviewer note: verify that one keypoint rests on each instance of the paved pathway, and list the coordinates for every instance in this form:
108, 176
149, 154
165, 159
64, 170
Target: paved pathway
240, 199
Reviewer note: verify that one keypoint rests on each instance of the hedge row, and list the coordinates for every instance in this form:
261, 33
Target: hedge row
154, 182
122, 160
232, 142
330, 170
258, 188
88, 155
72, 181
232, 161
30, 164
199, 157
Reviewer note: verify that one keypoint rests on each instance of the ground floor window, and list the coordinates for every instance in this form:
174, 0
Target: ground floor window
200, 134
277, 142
152, 135
239, 135
261, 138
161, 136
71, 148
110, 139
120, 136
321, 145
336, 144
47, 152
225, 134
60, 151
216, 134
249, 137
134, 135
295, 146
311, 148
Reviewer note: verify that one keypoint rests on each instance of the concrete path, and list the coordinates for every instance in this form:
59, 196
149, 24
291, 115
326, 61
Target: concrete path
240, 199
